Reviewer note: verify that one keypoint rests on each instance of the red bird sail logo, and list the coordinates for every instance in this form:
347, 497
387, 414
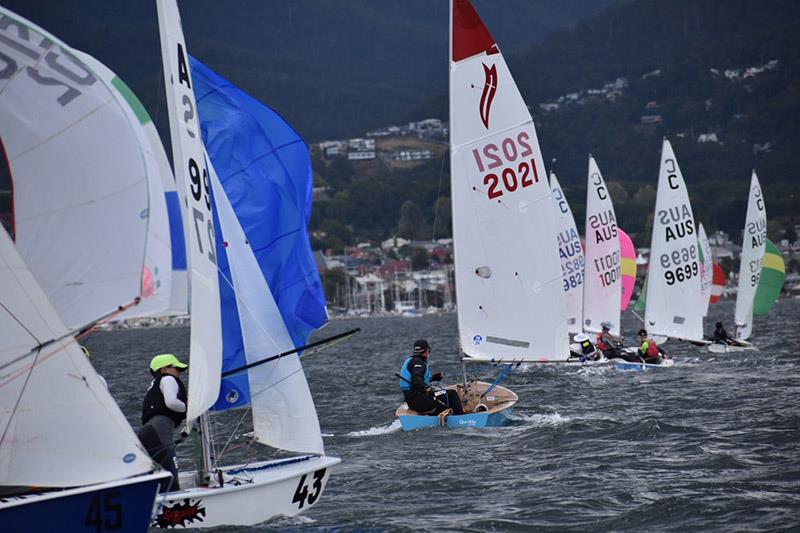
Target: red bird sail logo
489, 89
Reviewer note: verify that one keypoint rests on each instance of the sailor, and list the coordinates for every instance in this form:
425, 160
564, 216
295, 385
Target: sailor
609, 345
720, 335
163, 409
588, 351
415, 380
648, 349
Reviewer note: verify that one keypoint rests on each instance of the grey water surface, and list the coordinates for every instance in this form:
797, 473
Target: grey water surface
710, 444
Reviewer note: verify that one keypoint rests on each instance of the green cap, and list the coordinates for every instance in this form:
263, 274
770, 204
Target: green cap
164, 360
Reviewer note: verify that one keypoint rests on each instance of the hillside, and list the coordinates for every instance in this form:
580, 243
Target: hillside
720, 79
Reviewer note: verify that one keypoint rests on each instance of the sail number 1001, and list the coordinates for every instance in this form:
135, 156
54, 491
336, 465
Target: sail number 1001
508, 160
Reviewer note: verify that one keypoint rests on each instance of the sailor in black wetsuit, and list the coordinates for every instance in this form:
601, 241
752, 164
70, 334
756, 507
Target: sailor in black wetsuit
720, 335
415, 378
163, 409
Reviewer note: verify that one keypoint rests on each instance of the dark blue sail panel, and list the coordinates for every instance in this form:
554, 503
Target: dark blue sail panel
265, 170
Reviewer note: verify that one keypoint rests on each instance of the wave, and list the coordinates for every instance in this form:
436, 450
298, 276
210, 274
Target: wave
394, 427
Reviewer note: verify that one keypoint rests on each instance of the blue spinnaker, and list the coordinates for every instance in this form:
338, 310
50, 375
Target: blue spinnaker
265, 171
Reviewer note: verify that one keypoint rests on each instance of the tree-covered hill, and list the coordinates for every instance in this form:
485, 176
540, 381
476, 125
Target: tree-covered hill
722, 72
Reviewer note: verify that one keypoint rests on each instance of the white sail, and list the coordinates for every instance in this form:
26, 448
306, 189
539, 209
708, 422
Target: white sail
707, 274
602, 289
673, 282
157, 273
508, 276
59, 426
571, 253
191, 173
284, 415
753, 243
84, 188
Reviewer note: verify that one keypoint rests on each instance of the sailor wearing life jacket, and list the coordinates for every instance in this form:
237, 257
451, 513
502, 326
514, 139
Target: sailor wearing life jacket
163, 409
415, 379
607, 343
648, 350
587, 351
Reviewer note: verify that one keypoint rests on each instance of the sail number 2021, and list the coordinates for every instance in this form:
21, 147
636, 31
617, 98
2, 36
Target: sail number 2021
508, 161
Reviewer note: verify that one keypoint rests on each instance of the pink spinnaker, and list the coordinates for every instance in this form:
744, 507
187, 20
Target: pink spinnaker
628, 264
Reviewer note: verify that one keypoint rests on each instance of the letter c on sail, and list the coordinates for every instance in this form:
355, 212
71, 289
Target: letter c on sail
489, 89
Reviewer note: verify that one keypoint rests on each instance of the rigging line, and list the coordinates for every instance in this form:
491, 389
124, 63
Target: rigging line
233, 434
77, 334
19, 399
438, 195
29, 332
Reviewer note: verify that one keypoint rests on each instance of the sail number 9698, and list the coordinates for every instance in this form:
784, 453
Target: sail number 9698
512, 169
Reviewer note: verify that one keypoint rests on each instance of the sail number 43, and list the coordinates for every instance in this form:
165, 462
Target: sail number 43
511, 170
302, 494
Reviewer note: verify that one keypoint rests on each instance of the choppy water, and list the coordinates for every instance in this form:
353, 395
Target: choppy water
710, 444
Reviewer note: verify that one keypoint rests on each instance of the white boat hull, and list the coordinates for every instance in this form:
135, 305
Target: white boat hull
728, 348
250, 494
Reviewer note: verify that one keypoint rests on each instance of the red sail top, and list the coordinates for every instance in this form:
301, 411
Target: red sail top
470, 36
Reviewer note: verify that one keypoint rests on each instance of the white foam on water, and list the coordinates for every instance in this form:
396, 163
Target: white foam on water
554, 419
394, 427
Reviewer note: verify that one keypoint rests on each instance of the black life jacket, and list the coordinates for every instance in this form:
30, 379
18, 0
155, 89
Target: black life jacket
587, 347
154, 404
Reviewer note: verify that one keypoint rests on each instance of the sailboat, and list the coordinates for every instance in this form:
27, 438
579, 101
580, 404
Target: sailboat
753, 246
602, 291
673, 280
508, 273
250, 271
70, 460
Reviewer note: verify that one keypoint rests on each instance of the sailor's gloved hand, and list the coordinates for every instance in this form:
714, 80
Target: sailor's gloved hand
437, 376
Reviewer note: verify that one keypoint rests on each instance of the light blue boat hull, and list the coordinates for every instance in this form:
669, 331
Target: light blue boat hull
472, 420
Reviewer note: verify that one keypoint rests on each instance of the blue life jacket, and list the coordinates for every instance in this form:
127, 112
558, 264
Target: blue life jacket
405, 381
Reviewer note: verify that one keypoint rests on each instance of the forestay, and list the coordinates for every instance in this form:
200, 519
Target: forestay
602, 291
753, 242
509, 283
707, 273
59, 426
192, 177
80, 176
271, 294
570, 252
673, 282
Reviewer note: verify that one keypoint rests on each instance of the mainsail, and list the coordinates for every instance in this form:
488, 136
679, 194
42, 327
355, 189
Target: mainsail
90, 192
59, 426
770, 283
707, 273
753, 242
271, 294
602, 290
508, 276
673, 282
192, 176
571, 253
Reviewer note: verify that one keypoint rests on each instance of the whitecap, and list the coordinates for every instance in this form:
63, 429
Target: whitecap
379, 430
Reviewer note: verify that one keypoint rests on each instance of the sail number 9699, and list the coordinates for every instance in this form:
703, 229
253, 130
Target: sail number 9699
512, 169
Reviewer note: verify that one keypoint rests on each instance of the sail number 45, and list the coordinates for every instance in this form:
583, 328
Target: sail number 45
302, 495
508, 160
